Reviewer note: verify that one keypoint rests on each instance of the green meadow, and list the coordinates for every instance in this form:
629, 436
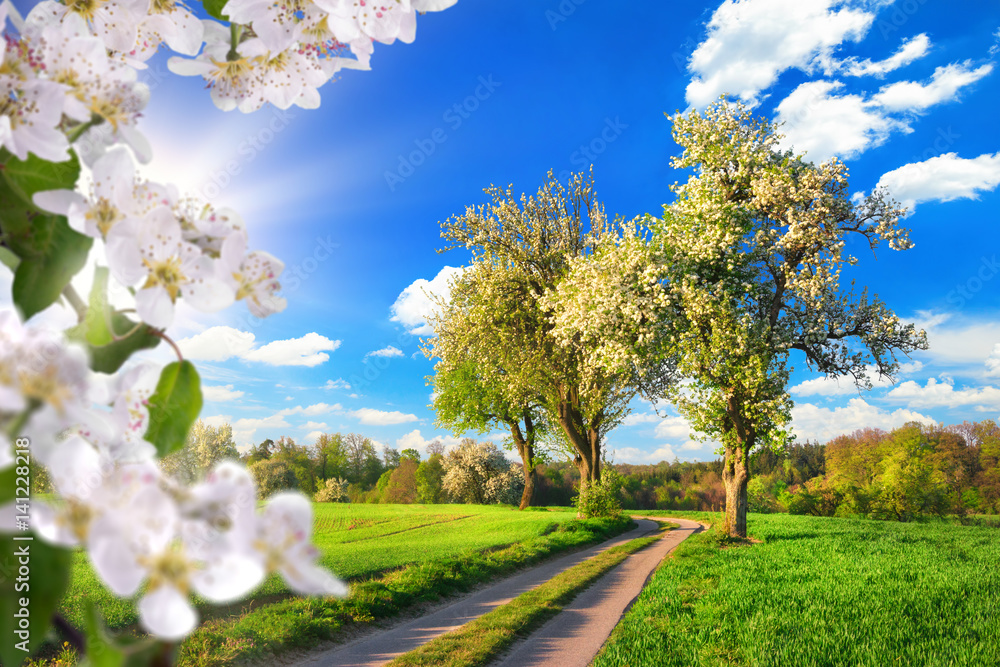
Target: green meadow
806, 590
395, 557
358, 541
820, 591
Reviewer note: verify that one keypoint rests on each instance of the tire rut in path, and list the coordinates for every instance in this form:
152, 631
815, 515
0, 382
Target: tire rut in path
381, 647
573, 637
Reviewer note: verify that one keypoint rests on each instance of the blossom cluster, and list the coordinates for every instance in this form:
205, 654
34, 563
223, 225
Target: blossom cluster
57, 76
138, 525
165, 246
282, 52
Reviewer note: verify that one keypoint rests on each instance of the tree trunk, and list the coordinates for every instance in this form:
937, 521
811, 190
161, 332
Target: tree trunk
530, 475
735, 475
526, 448
584, 437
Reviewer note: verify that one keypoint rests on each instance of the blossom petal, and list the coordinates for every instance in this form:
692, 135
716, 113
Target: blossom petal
228, 578
167, 614
155, 306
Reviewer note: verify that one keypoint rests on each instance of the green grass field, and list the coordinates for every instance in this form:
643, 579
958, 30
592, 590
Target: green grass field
818, 591
357, 542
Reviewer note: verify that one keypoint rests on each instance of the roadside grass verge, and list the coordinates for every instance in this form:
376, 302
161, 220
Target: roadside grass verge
357, 542
304, 622
820, 591
394, 556
483, 639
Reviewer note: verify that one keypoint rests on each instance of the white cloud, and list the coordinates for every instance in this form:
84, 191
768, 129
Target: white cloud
339, 383
312, 410
824, 386
244, 429
824, 124
844, 386
313, 436
215, 421
812, 422
958, 342
944, 395
993, 362
750, 43
220, 394
413, 306
673, 428
221, 343
631, 419
943, 178
943, 87
381, 417
414, 440
912, 49
305, 351
636, 455
217, 344
390, 351
928, 319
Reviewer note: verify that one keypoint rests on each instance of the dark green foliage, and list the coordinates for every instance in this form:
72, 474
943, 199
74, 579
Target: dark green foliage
428, 476
272, 476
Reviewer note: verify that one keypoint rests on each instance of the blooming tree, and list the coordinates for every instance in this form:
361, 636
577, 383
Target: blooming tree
464, 399
335, 491
502, 322
478, 472
77, 401
743, 268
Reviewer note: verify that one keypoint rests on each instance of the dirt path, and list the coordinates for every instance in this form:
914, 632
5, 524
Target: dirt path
574, 636
380, 647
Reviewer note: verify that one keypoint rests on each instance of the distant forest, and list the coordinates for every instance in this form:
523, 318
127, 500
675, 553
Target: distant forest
913, 471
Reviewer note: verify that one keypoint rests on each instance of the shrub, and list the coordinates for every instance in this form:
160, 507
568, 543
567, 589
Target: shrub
601, 499
335, 491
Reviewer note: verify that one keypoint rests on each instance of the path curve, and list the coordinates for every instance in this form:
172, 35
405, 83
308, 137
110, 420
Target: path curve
380, 647
573, 637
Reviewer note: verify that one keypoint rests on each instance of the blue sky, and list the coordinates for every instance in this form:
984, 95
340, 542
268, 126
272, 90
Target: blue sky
350, 195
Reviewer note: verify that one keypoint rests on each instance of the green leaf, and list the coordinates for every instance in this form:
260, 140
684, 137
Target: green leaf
47, 576
105, 650
101, 651
57, 255
107, 354
50, 252
173, 407
37, 175
7, 482
9, 259
109, 358
214, 8
96, 321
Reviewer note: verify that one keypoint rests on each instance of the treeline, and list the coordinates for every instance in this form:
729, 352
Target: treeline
915, 470
350, 468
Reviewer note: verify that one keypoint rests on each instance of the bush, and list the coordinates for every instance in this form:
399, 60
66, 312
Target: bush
479, 473
335, 491
272, 475
601, 499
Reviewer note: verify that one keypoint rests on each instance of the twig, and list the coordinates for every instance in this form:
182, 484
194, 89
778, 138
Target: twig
76, 638
160, 334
